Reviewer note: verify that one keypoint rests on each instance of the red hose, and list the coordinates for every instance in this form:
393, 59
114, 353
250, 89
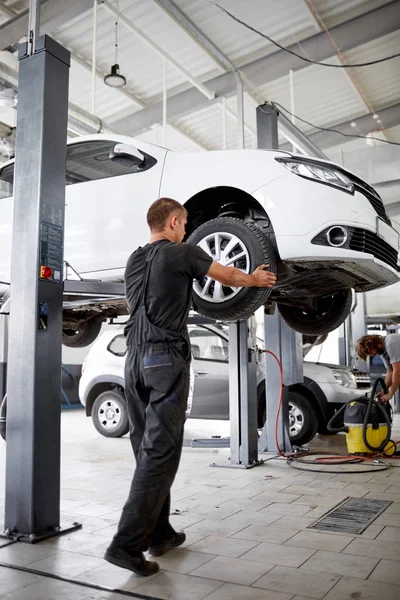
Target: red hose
345, 458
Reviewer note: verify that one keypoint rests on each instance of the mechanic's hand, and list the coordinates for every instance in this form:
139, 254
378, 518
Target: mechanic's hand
263, 278
385, 398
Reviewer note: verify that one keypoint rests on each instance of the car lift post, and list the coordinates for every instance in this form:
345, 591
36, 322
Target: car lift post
32, 504
354, 327
4, 323
285, 343
243, 357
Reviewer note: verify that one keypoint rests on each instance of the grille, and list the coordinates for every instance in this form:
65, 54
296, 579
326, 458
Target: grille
363, 379
363, 240
373, 198
369, 242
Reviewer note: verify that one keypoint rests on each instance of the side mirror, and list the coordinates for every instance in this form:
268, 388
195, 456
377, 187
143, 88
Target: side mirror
127, 156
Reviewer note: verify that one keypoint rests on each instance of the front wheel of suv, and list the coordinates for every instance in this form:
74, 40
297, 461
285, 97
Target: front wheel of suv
233, 243
324, 315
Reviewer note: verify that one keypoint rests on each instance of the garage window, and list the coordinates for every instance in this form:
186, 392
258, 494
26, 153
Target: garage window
207, 345
117, 346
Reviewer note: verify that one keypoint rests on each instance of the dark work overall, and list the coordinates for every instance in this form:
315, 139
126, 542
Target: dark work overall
156, 391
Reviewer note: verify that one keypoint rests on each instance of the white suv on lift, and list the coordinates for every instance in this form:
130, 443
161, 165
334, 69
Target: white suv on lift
311, 404
322, 229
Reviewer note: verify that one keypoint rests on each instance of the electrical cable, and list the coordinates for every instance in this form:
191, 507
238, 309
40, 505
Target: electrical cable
304, 58
93, 586
349, 135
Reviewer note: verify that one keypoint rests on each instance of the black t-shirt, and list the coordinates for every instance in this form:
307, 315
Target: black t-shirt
169, 289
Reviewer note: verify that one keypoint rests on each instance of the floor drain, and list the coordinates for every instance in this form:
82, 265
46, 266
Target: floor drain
353, 515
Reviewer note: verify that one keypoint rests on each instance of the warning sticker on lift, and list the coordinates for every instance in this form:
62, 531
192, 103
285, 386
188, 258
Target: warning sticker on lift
51, 252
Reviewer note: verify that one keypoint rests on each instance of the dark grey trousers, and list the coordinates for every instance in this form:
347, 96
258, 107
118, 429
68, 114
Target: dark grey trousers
156, 391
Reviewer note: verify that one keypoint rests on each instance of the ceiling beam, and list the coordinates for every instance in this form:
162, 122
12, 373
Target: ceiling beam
350, 34
365, 124
52, 16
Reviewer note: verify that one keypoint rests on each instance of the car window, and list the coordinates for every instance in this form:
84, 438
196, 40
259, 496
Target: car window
208, 345
6, 181
89, 161
86, 161
117, 346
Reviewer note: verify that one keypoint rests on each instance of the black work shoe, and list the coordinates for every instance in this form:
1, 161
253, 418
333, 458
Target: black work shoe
137, 564
173, 542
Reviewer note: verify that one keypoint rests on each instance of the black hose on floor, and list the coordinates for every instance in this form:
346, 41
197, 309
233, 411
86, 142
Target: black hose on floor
93, 586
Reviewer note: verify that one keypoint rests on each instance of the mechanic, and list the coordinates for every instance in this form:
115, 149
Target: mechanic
158, 280
389, 350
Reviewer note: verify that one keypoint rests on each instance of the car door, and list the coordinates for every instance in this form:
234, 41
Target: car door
106, 204
210, 361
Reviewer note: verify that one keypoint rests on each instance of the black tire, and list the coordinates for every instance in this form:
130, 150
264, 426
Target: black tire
85, 335
311, 421
329, 313
105, 424
247, 300
301, 405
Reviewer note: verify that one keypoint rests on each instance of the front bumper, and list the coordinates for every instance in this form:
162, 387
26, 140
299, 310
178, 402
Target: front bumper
314, 208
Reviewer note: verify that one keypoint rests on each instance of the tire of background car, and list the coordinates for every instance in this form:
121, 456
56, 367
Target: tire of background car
3, 418
302, 404
110, 415
83, 336
301, 408
331, 311
254, 248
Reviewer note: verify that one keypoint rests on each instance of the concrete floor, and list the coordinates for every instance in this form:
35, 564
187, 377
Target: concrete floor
246, 530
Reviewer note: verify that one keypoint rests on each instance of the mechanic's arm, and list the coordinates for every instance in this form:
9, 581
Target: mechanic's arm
389, 376
234, 277
395, 382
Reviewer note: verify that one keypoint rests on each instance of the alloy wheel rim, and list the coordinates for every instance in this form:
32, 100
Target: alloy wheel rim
228, 250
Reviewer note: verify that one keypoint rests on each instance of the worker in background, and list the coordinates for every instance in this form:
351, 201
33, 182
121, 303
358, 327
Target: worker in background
158, 280
388, 349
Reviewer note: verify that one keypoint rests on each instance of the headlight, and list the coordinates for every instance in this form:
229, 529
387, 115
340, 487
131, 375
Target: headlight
320, 173
345, 378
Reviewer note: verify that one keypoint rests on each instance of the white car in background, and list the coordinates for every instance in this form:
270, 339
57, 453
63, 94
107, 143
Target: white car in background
311, 404
322, 229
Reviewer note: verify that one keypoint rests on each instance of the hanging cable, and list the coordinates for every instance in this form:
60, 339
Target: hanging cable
349, 135
116, 33
308, 60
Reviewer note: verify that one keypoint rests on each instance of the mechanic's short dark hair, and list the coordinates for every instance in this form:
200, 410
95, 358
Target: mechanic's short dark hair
366, 344
160, 211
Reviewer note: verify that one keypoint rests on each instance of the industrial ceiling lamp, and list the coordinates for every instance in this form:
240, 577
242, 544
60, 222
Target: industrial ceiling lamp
115, 79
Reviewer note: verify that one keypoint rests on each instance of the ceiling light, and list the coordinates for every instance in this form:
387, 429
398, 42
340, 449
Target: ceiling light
114, 79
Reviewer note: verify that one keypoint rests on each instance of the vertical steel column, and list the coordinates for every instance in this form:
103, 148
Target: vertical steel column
240, 111
34, 359
267, 126
358, 329
243, 394
4, 324
286, 344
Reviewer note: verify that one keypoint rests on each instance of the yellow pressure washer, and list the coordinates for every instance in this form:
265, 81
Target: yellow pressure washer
367, 424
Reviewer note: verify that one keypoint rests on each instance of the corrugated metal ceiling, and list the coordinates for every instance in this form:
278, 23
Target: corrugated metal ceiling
323, 96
